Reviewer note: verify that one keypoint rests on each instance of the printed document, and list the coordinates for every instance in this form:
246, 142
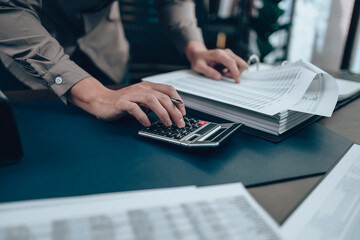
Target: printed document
321, 96
299, 86
332, 210
216, 212
347, 88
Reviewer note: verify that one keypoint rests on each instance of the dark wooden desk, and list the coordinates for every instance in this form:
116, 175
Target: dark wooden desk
280, 198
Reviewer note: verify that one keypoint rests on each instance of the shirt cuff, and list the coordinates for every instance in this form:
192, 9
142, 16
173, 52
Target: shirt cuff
63, 76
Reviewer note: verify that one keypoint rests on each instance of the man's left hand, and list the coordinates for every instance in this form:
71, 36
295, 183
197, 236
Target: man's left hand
203, 61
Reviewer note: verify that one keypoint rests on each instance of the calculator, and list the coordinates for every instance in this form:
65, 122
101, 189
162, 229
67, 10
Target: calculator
196, 133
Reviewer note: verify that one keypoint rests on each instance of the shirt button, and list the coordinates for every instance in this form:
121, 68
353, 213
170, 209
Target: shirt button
58, 80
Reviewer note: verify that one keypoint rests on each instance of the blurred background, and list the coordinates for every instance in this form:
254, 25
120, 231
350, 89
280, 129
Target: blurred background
324, 32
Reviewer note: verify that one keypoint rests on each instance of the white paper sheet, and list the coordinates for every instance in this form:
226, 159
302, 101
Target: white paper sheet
31, 204
299, 86
347, 88
332, 210
219, 212
268, 92
321, 96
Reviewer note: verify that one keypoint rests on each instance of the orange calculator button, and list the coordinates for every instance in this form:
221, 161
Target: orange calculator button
201, 123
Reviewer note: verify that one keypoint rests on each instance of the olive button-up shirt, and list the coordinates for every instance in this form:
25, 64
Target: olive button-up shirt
37, 37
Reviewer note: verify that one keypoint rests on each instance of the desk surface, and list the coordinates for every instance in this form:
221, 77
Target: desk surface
278, 199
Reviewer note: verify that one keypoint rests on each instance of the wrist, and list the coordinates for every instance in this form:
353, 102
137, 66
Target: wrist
88, 94
194, 47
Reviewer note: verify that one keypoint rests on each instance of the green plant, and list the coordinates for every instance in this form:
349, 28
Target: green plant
266, 22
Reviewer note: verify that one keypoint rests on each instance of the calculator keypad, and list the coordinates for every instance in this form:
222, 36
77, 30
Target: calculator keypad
173, 132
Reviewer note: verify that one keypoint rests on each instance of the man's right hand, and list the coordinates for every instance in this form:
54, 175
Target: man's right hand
90, 95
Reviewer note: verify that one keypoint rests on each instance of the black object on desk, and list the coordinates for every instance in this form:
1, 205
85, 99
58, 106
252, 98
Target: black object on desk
68, 152
10, 144
196, 133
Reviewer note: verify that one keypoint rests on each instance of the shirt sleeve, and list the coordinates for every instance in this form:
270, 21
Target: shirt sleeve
25, 42
178, 19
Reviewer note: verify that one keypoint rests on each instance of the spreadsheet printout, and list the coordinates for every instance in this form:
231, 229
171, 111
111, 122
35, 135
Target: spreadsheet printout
299, 86
332, 210
268, 92
224, 211
321, 96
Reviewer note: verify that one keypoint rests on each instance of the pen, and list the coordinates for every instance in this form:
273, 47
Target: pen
175, 100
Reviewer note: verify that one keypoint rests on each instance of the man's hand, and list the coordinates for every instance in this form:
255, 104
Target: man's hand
90, 95
203, 61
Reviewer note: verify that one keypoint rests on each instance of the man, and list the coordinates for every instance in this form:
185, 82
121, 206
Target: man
37, 37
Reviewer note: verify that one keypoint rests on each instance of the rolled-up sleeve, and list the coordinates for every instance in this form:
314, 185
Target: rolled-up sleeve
179, 21
25, 42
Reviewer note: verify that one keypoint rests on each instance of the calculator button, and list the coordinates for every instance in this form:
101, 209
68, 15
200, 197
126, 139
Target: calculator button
177, 136
201, 122
173, 132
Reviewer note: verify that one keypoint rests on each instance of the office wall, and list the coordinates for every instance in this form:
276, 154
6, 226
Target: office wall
319, 31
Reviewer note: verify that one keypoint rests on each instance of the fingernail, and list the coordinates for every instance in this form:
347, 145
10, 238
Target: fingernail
168, 122
147, 124
181, 123
216, 76
183, 111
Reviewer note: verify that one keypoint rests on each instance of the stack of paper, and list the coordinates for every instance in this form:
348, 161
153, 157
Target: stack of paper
347, 88
189, 213
273, 100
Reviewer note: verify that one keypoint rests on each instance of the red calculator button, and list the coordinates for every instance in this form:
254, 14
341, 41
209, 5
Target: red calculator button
201, 123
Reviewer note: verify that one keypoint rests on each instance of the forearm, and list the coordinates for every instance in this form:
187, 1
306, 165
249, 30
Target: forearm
31, 53
179, 22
